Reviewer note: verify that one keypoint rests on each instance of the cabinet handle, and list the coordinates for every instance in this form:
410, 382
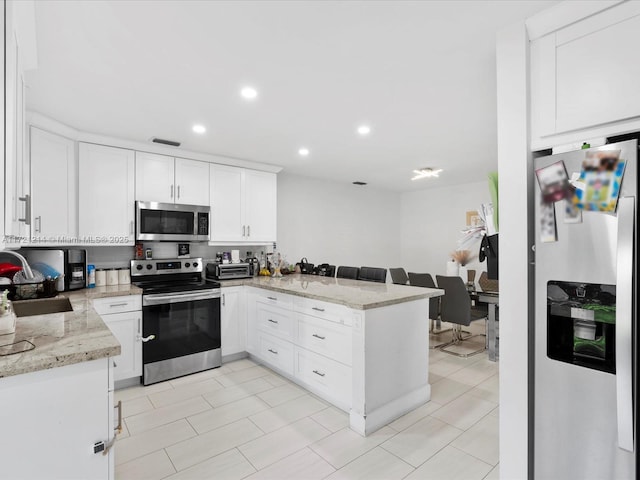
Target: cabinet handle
243, 230
38, 224
131, 227
171, 191
115, 365
248, 230
97, 447
318, 336
273, 351
317, 309
146, 339
272, 321
319, 373
27, 209
273, 298
118, 429
118, 305
223, 300
138, 326
178, 192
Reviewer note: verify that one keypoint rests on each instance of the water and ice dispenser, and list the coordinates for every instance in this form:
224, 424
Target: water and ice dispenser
581, 324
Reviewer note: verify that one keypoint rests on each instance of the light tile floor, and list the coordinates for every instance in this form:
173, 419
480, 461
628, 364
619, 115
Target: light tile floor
244, 421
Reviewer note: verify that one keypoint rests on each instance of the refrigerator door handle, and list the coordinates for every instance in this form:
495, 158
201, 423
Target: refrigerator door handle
624, 316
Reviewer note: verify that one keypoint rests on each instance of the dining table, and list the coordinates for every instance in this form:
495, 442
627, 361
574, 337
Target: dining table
492, 301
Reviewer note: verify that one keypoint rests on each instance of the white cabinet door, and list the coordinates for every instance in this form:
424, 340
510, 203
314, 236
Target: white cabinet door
17, 199
226, 203
127, 328
233, 321
155, 178
106, 195
260, 206
53, 187
51, 420
191, 182
586, 75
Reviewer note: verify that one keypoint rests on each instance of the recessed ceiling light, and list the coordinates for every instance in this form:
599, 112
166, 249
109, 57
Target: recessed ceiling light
364, 130
249, 93
199, 128
426, 172
303, 152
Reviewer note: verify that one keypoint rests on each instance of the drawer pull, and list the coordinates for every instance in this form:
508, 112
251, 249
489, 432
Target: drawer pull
272, 321
318, 336
318, 373
317, 309
273, 298
273, 351
124, 304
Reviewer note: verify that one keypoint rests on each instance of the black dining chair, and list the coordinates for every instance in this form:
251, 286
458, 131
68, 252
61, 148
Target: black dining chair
347, 272
373, 274
398, 276
456, 308
426, 280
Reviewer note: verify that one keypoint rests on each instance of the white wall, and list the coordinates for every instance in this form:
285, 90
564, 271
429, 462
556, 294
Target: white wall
431, 225
339, 224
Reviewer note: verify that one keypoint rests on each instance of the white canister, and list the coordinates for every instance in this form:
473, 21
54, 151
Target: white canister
112, 277
124, 276
101, 277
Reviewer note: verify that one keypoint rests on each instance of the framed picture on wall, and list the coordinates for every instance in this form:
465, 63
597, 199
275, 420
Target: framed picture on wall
473, 219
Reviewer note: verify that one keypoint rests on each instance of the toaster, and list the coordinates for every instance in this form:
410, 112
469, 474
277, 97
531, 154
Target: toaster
227, 271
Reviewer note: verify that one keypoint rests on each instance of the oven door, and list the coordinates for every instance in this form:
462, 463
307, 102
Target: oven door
181, 334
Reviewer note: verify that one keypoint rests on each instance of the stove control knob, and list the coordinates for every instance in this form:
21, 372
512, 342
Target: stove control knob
149, 266
187, 265
195, 264
138, 267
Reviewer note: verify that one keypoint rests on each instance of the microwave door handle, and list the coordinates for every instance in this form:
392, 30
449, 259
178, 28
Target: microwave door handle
624, 316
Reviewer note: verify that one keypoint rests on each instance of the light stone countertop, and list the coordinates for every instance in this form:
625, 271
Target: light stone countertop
64, 338
356, 294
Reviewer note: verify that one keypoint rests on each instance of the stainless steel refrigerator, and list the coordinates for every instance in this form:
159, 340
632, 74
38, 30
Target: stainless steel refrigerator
585, 401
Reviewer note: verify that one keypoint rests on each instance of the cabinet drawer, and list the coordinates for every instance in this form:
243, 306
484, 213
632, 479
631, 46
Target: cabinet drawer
275, 321
327, 338
126, 303
330, 379
325, 310
277, 353
281, 300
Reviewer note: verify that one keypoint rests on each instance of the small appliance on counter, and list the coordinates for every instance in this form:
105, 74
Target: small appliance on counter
227, 271
71, 262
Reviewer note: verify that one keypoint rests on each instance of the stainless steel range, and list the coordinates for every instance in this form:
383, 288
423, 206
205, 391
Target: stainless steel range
180, 318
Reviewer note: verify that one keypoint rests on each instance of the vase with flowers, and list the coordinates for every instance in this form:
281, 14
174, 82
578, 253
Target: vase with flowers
462, 258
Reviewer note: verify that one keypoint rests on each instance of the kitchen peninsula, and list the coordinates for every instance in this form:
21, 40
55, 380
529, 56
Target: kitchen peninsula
363, 346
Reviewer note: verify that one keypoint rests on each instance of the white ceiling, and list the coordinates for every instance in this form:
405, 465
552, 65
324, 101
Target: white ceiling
421, 73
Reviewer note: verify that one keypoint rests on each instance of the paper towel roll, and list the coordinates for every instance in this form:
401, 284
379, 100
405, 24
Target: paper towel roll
452, 269
235, 256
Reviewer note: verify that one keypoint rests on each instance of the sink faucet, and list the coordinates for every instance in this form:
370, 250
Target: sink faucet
28, 273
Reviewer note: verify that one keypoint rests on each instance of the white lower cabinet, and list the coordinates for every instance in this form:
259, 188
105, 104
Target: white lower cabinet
327, 378
52, 419
277, 353
232, 326
308, 340
123, 316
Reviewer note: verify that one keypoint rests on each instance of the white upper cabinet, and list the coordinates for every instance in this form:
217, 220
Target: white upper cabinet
106, 194
192, 182
154, 178
243, 205
586, 74
160, 178
53, 187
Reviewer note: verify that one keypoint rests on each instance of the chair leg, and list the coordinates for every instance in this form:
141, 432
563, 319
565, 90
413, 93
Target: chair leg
457, 339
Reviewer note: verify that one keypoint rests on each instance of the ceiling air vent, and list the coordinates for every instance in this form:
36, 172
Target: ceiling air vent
165, 142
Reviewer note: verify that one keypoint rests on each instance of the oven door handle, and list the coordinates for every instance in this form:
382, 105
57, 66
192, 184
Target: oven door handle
162, 299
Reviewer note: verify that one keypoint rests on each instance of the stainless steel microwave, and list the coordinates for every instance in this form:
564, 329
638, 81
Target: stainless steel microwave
169, 222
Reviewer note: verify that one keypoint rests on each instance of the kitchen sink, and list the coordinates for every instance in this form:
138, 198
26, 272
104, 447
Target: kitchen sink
26, 308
